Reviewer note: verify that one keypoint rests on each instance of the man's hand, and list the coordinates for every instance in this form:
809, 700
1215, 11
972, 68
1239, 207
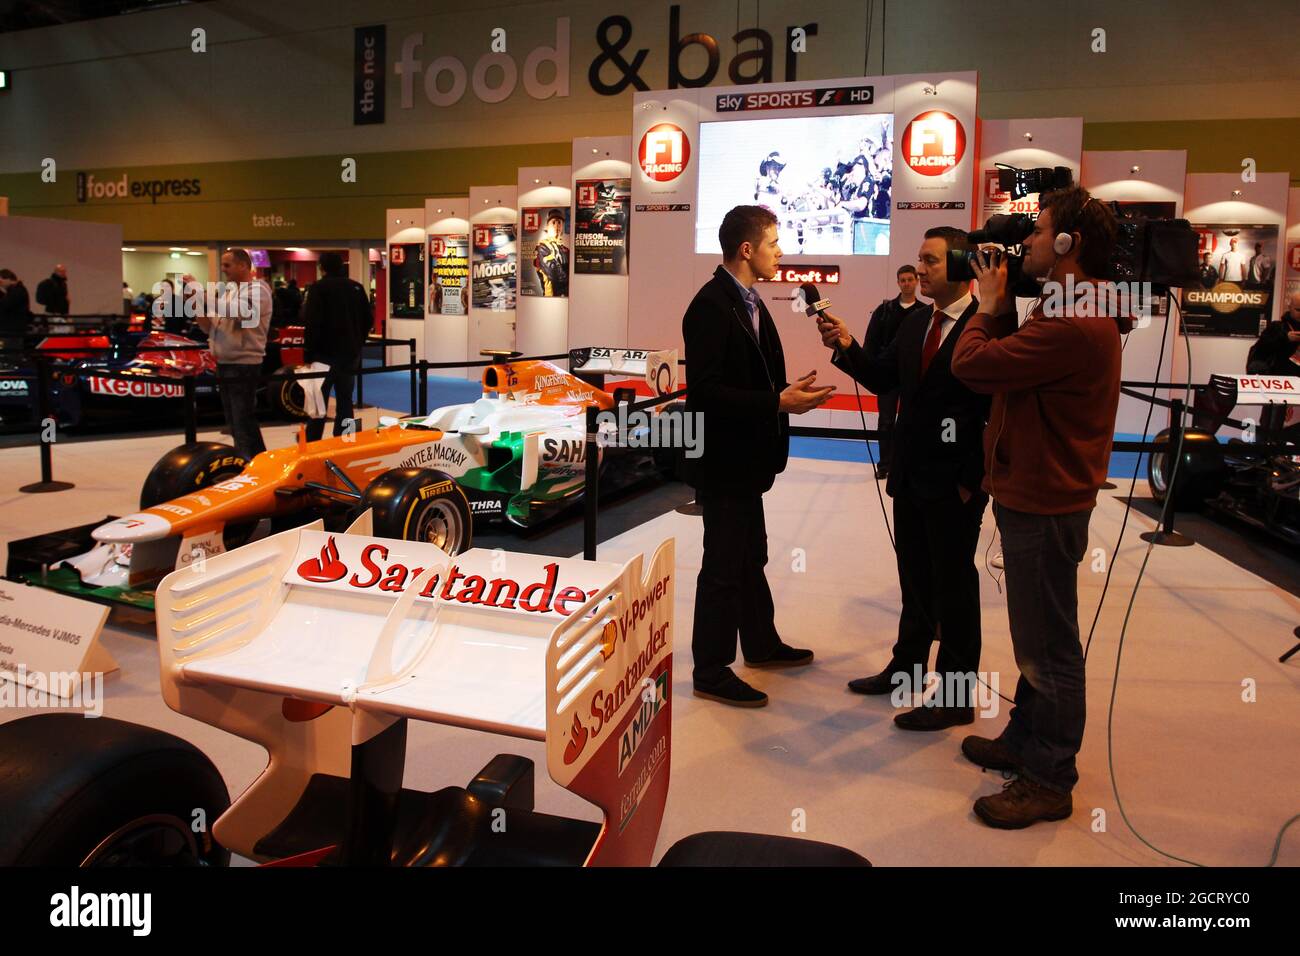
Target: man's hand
990, 268
802, 397
1293, 336
963, 494
834, 333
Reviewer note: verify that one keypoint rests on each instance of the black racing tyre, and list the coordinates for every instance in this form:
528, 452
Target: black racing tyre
287, 398
1201, 475
187, 468
103, 792
420, 504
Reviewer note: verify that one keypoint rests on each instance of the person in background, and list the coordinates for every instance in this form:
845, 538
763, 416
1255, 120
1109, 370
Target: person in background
1260, 270
52, 292
15, 311
237, 337
338, 317
1232, 267
881, 330
1274, 352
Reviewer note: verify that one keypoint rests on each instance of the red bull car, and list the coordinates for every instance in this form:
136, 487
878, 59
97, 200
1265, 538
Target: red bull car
93, 377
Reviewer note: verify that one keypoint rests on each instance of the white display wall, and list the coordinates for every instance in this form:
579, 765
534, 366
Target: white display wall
1289, 260
667, 270
1224, 198
541, 323
598, 304
1141, 176
490, 328
446, 337
404, 225
91, 252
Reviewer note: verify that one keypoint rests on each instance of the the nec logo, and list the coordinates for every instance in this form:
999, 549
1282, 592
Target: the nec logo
934, 143
664, 152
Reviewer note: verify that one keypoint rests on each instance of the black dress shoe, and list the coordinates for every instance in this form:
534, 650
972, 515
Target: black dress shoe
877, 684
934, 718
882, 472
785, 656
990, 753
732, 690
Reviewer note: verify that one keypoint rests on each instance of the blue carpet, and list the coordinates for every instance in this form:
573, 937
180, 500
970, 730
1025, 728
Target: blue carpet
392, 390
855, 449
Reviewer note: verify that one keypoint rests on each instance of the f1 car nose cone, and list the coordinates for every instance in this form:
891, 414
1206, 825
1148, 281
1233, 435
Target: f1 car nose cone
137, 527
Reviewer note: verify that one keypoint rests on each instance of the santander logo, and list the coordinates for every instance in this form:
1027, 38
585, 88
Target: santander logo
325, 569
378, 573
577, 740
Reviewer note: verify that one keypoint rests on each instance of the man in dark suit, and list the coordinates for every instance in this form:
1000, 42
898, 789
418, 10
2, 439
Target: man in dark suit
934, 479
336, 318
735, 372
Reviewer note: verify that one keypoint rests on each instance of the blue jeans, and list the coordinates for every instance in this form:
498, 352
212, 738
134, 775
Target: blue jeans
238, 390
1041, 555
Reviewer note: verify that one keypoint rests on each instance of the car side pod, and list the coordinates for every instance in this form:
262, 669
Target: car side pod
320, 646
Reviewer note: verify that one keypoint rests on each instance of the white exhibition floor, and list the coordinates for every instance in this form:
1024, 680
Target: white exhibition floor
1202, 774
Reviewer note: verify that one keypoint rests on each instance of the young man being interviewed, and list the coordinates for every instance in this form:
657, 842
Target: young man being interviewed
735, 375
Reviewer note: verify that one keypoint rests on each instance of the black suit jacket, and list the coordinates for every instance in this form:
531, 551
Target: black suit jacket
734, 380
923, 462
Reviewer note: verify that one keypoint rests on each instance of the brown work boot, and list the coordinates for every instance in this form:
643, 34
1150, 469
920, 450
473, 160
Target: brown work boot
990, 753
1021, 803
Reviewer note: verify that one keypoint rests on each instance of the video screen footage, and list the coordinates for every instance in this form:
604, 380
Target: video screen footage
827, 178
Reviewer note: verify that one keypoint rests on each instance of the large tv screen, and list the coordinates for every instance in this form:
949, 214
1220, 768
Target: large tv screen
827, 178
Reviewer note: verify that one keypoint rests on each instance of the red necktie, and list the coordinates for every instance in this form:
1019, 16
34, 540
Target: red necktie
931, 341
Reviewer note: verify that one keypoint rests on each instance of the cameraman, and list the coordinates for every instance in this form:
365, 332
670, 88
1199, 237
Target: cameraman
1055, 387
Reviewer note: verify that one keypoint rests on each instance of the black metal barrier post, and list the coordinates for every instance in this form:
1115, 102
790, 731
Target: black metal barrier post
361, 379
592, 492
191, 411
415, 378
1166, 535
424, 387
47, 422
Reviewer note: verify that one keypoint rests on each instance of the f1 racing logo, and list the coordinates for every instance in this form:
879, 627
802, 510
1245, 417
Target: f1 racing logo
664, 152
934, 143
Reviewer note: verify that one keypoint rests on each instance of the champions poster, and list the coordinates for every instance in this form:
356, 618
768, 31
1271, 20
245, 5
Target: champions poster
1234, 294
600, 226
448, 275
544, 252
495, 266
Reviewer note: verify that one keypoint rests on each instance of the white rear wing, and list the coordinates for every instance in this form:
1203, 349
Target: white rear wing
307, 641
657, 368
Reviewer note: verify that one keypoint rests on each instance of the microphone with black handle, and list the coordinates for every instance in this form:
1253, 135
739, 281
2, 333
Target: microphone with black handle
816, 306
